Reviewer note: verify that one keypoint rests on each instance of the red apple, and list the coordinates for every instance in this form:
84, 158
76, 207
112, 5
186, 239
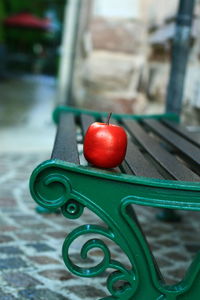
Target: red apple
105, 144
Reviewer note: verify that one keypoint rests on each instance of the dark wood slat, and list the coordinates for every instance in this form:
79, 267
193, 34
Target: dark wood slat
182, 130
65, 146
136, 162
126, 169
86, 121
196, 136
190, 150
166, 160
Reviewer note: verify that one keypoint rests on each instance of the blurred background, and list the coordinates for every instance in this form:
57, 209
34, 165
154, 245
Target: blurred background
104, 55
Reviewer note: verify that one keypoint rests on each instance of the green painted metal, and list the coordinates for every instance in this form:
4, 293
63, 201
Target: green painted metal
58, 184
77, 111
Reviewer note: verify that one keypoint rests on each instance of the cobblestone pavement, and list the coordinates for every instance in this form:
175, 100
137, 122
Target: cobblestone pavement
31, 266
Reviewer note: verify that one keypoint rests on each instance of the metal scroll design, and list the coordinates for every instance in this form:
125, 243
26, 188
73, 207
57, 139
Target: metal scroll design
51, 189
72, 209
120, 273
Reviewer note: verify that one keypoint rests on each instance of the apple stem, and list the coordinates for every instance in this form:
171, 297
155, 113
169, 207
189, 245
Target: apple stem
108, 119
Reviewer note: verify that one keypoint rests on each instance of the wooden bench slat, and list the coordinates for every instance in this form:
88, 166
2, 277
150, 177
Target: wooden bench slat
65, 146
169, 162
190, 150
86, 121
126, 168
180, 129
136, 162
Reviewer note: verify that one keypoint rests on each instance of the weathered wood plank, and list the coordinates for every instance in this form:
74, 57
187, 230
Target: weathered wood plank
86, 121
183, 145
136, 161
182, 130
65, 146
165, 159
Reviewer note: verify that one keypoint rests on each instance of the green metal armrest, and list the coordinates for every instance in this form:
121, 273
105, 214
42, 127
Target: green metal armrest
161, 169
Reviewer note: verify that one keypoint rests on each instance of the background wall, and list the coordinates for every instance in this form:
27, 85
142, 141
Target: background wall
116, 8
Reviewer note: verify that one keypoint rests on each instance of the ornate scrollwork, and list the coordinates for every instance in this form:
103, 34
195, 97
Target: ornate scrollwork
121, 274
72, 209
51, 190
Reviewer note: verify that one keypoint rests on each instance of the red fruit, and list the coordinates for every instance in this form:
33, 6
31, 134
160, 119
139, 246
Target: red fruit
105, 145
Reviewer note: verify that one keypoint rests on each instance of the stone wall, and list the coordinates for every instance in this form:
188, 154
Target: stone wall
112, 69
118, 35
120, 74
111, 81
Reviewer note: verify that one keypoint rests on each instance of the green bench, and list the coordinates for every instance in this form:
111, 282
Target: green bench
161, 169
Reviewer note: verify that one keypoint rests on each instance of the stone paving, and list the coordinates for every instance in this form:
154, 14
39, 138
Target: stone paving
31, 265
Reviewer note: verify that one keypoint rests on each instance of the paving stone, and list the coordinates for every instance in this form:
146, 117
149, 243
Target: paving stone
12, 263
29, 236
8, 228
194, 248
19, 279
170, 280
97, 252
3, 222
4, 296
54, 216
40, 294
5, 238
44, 260
57, 274
24, 219
154, 246
8, 202
36, 226
163, 262
58, 234
84, 291
10, 250
60, 220
155, 231
40, 247
187, 228
178, 273
176, 256
174, 245
76, 258
168, 242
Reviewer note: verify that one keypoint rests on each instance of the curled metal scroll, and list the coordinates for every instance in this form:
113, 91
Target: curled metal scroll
121, 274
52, 190
72, 209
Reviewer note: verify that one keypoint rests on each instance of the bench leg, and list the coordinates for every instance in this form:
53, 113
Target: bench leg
55, 187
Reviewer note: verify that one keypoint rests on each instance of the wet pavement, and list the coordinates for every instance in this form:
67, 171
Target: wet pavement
31, 265
26, 105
